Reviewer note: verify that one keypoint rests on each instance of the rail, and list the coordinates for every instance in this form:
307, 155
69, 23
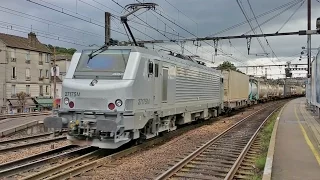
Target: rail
28, 164
28, 141
222, 153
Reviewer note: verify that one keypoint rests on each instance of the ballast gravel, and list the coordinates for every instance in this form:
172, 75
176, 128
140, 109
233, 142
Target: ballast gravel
29, 151
147, 163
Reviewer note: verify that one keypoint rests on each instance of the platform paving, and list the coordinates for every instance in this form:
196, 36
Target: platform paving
14, 122
296, 153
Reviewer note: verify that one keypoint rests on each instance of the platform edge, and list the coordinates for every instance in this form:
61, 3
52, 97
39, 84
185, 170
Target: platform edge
269, 161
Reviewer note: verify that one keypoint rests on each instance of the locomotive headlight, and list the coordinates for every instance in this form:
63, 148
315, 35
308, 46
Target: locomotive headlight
118, 102
66, 100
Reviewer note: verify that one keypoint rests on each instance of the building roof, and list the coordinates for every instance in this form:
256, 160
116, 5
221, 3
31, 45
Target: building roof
58, 80
30, 43
62, 57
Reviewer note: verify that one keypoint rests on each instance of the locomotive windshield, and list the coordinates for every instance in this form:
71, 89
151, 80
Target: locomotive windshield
110, 60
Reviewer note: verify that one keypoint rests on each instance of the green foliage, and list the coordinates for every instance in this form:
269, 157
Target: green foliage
226, 65
22, 98
62, 50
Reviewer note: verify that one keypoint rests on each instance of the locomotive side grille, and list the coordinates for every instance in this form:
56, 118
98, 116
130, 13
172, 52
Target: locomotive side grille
196, 85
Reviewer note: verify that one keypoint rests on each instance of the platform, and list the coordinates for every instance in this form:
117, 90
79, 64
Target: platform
14, 123
296, 150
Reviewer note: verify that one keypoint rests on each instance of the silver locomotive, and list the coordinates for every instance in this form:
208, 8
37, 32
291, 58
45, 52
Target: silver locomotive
127, 93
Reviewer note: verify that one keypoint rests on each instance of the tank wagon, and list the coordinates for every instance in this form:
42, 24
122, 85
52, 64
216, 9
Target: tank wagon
128, 93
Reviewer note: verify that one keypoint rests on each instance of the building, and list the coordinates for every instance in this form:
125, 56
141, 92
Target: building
63, 63
24, 67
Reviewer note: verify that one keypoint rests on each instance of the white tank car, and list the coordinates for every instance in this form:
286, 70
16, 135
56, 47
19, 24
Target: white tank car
127, 93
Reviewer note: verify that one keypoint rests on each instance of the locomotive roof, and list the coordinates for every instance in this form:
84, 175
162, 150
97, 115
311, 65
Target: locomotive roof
165, 56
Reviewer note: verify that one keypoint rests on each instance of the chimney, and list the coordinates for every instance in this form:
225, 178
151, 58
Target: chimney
32, 39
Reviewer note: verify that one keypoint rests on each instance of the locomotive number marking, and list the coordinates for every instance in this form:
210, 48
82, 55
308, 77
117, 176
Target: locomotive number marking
74, 94
143, 101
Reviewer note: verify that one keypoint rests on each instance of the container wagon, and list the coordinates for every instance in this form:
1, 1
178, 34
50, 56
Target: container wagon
236, 89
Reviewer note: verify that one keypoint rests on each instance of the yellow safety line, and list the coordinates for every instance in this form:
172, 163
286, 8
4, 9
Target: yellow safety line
313, 149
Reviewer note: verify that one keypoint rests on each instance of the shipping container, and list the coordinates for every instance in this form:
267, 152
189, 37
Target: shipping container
236, 88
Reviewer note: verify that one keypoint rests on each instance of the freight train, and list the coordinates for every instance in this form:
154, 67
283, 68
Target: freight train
127, 93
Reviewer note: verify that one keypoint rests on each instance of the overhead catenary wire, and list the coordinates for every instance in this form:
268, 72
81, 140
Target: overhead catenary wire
8, 24
249, 22
184, 15
258, 16
74, 16
48, 22
46, 37
268, 44
273, 17
291, 16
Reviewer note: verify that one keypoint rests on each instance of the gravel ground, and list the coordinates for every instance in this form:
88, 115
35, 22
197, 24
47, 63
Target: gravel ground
25, 152
145, 164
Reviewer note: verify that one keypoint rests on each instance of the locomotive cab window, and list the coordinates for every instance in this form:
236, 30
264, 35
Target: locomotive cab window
150, 67
102, 63
156, 70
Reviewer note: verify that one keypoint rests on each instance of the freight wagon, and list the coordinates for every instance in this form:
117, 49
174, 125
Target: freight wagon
236, 89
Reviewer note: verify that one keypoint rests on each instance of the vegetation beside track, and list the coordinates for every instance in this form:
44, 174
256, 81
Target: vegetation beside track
264, 136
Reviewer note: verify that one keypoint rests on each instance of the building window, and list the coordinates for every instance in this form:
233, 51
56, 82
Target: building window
14, 73
13, 90
13, 53
28, 89
47, 90
28, 55
47, 73
41, 90
47, 58
28, 73
40, 56
40, 73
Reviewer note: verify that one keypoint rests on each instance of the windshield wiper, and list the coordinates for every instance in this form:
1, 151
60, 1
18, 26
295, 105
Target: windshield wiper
92, 55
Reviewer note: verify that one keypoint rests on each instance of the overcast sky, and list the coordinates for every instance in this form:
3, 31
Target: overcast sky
200, 18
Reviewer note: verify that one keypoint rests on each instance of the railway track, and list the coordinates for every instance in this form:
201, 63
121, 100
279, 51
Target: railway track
30, 165
77, 165
221, 157
17, 143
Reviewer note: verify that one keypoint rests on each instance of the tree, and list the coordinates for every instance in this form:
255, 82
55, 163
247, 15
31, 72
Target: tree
22, 99
226, 65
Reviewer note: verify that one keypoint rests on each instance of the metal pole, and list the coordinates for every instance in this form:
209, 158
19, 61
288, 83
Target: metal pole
107, 28
309, 39
54, 76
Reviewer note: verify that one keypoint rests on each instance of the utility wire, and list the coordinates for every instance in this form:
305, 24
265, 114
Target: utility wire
48, 22
40, 31
245, 15
291, 16
273, 17
258, 16
89, 21
261, 30
183, 14
44, 36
